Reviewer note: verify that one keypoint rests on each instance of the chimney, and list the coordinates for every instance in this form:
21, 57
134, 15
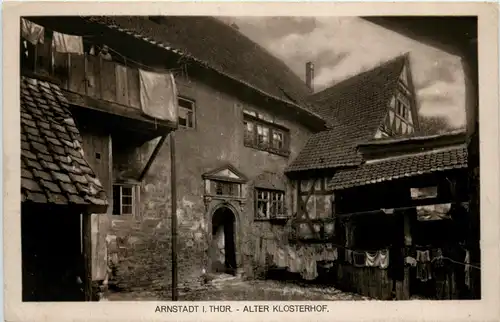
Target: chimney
310, 75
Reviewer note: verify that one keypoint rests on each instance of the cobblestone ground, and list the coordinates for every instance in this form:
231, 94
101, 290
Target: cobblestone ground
234, 289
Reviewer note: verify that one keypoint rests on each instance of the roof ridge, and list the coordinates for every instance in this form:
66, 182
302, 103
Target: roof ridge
380, 65
418, 153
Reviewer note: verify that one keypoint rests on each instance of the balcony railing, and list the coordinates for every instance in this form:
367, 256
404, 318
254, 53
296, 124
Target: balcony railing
98, 78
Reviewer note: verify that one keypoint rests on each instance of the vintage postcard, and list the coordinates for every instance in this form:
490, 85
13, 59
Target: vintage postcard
244, 161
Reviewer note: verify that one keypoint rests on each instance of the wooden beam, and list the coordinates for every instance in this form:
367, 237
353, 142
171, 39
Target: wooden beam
173, 190
303, 207
152, 157
87, 255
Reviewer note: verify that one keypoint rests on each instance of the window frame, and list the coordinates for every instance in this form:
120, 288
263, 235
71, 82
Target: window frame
251, 138
275, 202
191, 112
134, 191
236, 188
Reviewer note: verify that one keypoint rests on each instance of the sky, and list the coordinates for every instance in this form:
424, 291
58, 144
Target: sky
341, 47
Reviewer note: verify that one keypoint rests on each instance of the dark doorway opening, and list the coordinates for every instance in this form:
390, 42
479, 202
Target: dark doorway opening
52, 257
223, 241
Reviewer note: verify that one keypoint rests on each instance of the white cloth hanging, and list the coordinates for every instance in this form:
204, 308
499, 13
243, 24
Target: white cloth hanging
32, 32
64, 43
158, 95
383, 258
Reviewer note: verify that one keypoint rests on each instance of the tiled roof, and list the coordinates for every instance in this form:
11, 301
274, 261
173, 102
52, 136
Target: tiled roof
53, 166
220, 47
400, 167
355, 109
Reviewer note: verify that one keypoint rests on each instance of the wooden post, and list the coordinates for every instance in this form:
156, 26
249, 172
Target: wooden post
173, 190
87, 255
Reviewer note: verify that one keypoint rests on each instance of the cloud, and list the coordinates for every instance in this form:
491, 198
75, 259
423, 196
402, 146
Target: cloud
444, 99
341, 47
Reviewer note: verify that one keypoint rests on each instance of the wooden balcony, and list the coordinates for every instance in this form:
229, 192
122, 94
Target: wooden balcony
103, 91
98, 78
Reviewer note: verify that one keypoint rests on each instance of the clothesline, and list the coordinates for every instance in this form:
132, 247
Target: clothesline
358, 251
387, 211
454, 261
159, 70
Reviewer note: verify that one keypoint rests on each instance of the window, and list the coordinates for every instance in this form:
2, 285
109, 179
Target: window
266, 136
249, 132
186, 113
270, 204
223, 188
278, 140
124, 200
262, 135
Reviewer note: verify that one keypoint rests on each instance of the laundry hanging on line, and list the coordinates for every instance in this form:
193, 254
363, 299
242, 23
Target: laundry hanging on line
158, 95
384, 258
65, 43
423, 266
32, 32
372, 259
359, 259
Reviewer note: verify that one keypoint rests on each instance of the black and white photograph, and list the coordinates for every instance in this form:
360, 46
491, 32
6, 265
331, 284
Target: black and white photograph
249, 158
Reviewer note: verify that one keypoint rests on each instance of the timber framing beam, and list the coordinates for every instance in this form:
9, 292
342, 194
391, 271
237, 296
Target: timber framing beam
152, 157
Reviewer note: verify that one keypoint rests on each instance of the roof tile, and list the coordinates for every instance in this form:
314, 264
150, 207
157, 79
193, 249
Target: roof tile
27, 122
43, 125
33, 164
40, 147
74, 153
57, 149
78, 178
57, 198
34, 138
76, 199
25, 145
48, 134
50, 165
69, 188
64, 136
58, 127
51, 186
61, 177
93, 180
35, 197
54, 140
25, 173
96, 201
42, 174
45, 157
86, 170
28, 154
71, 169
68, 143
30, 185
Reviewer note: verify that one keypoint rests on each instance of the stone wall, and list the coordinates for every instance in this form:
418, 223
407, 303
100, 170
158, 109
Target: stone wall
143, 242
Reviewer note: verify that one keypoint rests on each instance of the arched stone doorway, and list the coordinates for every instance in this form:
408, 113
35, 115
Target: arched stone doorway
223, 245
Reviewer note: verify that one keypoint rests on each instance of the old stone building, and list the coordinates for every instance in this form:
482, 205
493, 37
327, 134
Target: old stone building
255, 155
240, 124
